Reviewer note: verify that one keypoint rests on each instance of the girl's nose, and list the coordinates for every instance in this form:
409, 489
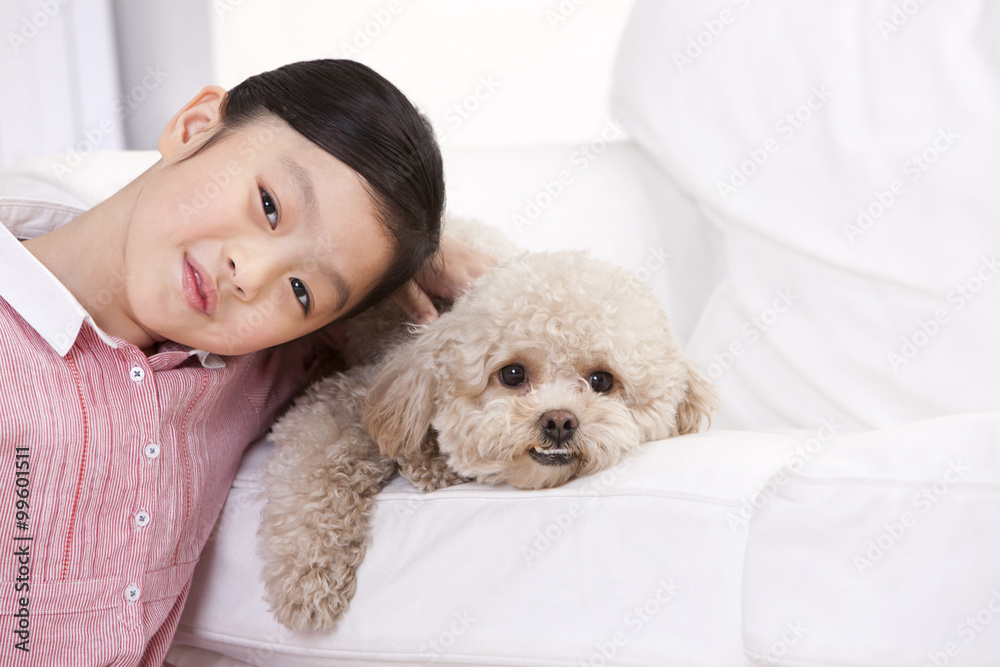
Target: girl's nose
250, 273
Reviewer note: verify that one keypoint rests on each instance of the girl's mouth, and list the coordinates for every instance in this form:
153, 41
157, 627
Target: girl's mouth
197, 287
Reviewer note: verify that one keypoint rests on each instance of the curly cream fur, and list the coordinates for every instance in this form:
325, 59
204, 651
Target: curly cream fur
439, 414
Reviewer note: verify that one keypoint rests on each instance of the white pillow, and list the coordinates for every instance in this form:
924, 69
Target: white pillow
849, 151
606, 196
74, 179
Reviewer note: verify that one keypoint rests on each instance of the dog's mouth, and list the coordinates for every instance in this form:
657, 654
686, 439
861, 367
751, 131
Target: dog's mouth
551, 456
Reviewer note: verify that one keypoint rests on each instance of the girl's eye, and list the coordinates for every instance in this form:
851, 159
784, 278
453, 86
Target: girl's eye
270, 208
301, 293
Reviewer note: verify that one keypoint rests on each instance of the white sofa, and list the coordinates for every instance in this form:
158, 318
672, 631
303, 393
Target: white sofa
822, 178
812, 190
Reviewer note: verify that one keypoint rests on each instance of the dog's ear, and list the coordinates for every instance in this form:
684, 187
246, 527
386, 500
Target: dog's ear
399, 403
698, 403
399, 407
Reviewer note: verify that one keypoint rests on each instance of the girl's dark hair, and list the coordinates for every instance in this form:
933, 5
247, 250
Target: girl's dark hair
356, 115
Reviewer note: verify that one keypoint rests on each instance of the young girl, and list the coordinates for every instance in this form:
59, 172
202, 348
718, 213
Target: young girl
145, 342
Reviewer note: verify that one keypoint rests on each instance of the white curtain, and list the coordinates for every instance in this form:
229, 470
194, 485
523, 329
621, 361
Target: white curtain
84, 75
59, 78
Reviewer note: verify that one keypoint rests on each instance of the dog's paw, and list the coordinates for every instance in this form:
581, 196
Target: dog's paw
312, 599
430, 474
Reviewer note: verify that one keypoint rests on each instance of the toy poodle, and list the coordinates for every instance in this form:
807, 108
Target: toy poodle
552, 366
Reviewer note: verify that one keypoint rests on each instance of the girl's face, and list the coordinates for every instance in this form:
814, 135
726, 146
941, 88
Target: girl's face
259, 239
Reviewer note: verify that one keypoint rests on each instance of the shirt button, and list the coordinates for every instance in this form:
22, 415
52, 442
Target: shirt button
137, 374
152, 450
132, 593
141, 518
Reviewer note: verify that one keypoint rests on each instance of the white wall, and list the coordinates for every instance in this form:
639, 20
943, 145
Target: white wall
486, 72
165, 59
108, 74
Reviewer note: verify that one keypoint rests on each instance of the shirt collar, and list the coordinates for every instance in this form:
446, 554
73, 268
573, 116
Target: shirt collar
41, 299
207, 359
38, 296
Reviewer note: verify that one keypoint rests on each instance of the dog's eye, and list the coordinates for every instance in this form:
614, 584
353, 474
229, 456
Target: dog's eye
513, 375
601, 381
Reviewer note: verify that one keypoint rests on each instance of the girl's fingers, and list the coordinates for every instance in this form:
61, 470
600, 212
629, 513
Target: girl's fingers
415, 303
456, 266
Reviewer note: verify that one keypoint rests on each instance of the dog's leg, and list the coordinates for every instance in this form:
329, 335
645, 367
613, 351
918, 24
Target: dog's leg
321, 482
429, 469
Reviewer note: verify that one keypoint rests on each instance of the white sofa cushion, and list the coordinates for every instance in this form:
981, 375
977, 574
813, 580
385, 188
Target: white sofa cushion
640, 565
881, 550
848, 152
724, 548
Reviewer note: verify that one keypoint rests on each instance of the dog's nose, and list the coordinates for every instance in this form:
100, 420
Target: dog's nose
558, 425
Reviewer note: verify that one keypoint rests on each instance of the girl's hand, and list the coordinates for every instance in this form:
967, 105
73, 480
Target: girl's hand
446, 275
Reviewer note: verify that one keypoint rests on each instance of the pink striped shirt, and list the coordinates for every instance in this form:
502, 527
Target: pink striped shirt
113, 466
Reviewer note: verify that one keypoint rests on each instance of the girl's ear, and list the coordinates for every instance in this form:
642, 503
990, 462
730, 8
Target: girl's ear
698, 402
399, 403
202, 111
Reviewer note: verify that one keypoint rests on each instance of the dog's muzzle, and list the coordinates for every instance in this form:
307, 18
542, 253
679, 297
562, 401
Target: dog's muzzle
558, 427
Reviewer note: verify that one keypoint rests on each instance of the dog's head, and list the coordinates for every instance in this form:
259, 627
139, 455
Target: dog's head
553, 365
